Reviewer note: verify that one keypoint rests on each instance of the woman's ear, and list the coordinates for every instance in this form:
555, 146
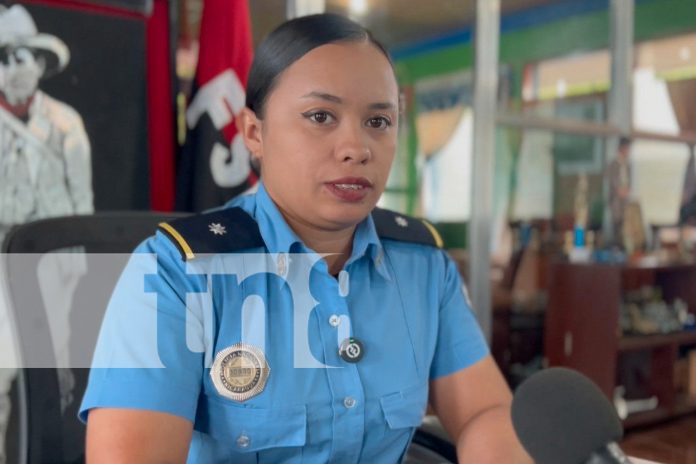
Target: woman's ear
249, 126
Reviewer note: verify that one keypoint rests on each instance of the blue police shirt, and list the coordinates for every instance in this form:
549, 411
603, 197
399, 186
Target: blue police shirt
167, 320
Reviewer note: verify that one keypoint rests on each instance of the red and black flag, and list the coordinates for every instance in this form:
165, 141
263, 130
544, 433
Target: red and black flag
215, 165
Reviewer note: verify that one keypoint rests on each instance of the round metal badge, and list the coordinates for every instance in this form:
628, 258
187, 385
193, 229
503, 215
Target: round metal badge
351, 350
240, 372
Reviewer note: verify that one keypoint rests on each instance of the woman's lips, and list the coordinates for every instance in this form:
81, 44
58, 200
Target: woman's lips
350, 189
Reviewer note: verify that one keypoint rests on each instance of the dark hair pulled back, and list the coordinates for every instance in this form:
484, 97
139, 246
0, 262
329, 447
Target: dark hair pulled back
290, 42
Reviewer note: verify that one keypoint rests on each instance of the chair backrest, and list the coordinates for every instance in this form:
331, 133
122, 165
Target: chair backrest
49, 393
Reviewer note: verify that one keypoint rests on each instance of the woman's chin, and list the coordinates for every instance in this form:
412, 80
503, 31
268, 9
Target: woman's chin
347, 215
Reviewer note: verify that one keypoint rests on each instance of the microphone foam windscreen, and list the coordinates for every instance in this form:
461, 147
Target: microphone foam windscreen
561, 417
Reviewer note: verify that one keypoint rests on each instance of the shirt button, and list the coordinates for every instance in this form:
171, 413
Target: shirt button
243, 441
349, 402
343, 284
282, 265
334, 320
378, 259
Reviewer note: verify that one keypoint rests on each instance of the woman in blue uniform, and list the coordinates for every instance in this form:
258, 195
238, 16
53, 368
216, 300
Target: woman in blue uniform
299, 324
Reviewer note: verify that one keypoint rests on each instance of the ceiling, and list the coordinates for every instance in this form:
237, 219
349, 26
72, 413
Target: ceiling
394, 22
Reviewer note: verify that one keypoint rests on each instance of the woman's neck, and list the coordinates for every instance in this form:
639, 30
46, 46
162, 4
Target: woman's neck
335, 245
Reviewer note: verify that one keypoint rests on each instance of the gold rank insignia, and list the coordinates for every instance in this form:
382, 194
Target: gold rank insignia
240, 372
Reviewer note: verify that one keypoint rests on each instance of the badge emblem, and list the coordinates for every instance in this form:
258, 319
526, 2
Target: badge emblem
240, 372
401, 221
217, 228
351, 350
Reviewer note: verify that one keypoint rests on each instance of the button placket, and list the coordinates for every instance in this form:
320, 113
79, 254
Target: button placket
343, 378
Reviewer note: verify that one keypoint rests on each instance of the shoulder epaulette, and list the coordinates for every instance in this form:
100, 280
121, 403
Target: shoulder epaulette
220, 231
395, 226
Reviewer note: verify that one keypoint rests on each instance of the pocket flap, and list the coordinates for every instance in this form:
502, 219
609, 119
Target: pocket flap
254, 429
405, 408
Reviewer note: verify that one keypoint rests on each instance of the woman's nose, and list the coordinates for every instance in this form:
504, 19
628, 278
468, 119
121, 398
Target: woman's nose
353, 147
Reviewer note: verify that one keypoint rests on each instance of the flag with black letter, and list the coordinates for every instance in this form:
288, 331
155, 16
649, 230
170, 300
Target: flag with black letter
215, 165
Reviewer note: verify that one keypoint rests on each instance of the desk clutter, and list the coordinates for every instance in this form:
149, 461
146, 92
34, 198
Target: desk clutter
645, 312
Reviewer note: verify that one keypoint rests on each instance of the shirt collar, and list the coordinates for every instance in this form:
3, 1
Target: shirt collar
280, 238
276, 233
366, 241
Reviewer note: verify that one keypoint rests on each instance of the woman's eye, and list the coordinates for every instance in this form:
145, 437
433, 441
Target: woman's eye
379, 122
320, 117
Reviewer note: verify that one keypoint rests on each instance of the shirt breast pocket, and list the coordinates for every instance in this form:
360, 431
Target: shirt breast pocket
403, 411
259, 435
405, 408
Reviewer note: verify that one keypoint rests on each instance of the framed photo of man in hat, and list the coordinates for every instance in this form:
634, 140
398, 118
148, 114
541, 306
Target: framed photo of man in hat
74, 129
75, 123
45, 154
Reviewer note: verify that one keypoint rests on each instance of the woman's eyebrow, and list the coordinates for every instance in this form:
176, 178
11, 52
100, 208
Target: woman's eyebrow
335, 99
382, 106
324, 96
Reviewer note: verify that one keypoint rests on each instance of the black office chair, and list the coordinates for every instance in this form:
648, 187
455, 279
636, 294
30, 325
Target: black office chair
48, 430
431, 445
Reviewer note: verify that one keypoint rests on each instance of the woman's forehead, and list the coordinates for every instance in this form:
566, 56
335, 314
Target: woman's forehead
345, 69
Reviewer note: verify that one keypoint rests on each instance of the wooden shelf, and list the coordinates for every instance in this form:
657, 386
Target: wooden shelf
683, 405
662, 267
659, 267
642, 342
647, 417
582, 322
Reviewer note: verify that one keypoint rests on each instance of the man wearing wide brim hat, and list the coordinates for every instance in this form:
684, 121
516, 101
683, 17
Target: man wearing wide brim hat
45, 155
45, 162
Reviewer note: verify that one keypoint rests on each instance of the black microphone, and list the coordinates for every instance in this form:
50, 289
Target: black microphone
561, 417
